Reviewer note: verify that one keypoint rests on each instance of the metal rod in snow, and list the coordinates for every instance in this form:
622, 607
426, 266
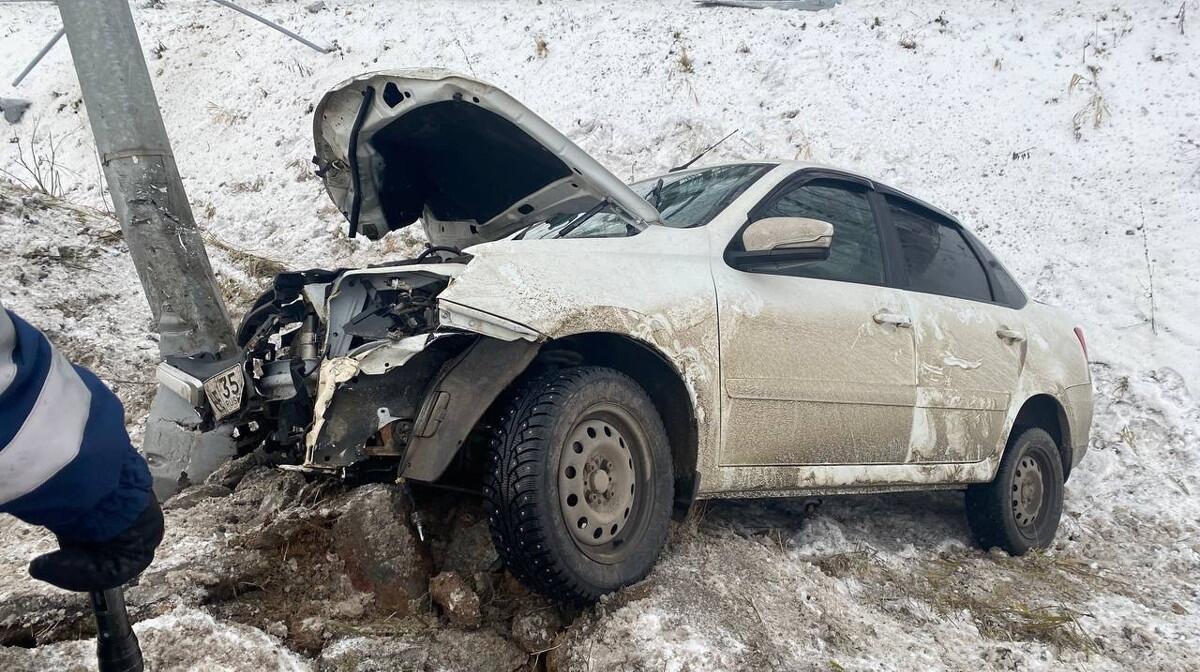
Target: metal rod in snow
40, 55
267, 22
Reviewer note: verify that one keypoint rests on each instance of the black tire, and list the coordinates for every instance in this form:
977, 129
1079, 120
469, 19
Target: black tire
538, 465
1020, 509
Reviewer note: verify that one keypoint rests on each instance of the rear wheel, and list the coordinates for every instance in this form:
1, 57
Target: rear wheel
580, 487
1020, 509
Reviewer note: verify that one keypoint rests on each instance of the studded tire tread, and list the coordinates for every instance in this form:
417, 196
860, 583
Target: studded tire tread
519, 451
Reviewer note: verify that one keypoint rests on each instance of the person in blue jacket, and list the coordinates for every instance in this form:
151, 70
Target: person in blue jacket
66, 463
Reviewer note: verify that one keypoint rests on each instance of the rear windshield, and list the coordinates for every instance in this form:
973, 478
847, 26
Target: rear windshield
684, 199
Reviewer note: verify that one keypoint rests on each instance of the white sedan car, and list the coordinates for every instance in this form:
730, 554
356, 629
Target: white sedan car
593, 356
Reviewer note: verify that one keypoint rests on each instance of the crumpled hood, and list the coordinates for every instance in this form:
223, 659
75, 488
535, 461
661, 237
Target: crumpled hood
460, 155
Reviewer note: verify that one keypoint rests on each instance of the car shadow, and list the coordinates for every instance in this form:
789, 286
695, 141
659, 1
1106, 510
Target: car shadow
884, 522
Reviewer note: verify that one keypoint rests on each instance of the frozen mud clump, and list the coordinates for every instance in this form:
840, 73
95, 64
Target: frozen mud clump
381, 556
480, 650
456, 599
231, 473
269, 490
192, 496
303, 559
535, 626
466, 546
36, 617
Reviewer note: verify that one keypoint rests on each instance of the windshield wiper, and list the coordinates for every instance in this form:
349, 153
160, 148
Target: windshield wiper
656, 193
583, 218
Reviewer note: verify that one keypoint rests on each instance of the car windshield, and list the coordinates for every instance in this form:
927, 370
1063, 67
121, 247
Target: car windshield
693, 198
685, 200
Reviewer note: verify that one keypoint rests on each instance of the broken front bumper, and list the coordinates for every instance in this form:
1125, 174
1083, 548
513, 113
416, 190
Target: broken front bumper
406, 404
183, 384
224, 392
182, 443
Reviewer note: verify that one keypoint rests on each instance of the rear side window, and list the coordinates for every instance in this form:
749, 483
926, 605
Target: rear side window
937, 257
1013, 295
1005, 288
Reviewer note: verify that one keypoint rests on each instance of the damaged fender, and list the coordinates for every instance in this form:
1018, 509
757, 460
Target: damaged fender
458, 398
418, 397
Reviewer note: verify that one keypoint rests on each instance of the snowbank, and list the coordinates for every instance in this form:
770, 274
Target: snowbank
1064, 133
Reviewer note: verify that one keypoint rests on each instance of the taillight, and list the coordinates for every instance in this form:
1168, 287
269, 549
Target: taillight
1082, 341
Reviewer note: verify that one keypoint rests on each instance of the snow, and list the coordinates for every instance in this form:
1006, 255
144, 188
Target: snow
179, 641
987, 110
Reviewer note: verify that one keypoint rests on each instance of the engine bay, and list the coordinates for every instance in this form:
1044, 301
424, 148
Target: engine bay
312, 319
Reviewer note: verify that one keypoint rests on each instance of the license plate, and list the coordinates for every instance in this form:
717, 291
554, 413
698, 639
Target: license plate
224, 391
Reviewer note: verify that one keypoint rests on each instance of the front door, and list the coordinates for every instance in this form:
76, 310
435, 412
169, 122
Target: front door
817, 357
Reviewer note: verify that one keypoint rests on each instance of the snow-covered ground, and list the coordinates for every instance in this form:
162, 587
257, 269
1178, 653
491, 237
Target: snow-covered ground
1067, 135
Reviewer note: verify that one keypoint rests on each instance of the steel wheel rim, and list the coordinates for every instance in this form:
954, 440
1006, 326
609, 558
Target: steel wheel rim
1028, 492
602, 472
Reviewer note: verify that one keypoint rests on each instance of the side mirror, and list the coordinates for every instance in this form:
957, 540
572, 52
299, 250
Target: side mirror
785, 239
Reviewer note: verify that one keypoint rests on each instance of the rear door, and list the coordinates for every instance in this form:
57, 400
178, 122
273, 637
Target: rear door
817, 357
969, 347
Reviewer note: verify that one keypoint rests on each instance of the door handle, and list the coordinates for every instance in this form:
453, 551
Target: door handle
1011, 335
884, 317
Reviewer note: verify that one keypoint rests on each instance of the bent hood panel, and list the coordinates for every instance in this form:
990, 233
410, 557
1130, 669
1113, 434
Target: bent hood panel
463, 156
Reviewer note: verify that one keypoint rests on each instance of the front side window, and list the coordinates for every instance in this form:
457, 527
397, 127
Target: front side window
856, 254
938, 258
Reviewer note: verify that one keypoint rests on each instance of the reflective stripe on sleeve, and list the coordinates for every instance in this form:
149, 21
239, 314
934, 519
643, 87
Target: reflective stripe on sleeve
51, 435
8, 341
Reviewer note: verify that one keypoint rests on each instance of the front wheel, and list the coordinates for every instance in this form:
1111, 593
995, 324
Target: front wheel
1020, 509
579, 487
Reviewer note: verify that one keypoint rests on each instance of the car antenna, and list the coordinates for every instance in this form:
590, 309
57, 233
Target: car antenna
703, 152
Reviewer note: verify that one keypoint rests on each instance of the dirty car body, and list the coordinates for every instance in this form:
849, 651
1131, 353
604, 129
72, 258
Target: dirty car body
798, 329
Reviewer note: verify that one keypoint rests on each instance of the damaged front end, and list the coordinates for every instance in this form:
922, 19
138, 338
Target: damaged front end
355, 370
349, 372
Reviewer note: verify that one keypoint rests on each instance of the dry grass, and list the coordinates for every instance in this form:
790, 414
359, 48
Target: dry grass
248, 186
254, 265
302, 169
405, 243
683, 59
690, 527
686, 64
40, 169
224, 115
850, 563
1128, 437
1095, 109
1056, 625
1011, 607
804, 149
237, 293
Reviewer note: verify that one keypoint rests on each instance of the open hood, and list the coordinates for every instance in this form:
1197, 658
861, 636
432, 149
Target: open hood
460, 155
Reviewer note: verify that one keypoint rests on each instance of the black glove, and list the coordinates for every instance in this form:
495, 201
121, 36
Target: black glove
87, 566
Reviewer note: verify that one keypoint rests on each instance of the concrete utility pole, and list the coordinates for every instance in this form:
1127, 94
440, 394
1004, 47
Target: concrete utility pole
157, 221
